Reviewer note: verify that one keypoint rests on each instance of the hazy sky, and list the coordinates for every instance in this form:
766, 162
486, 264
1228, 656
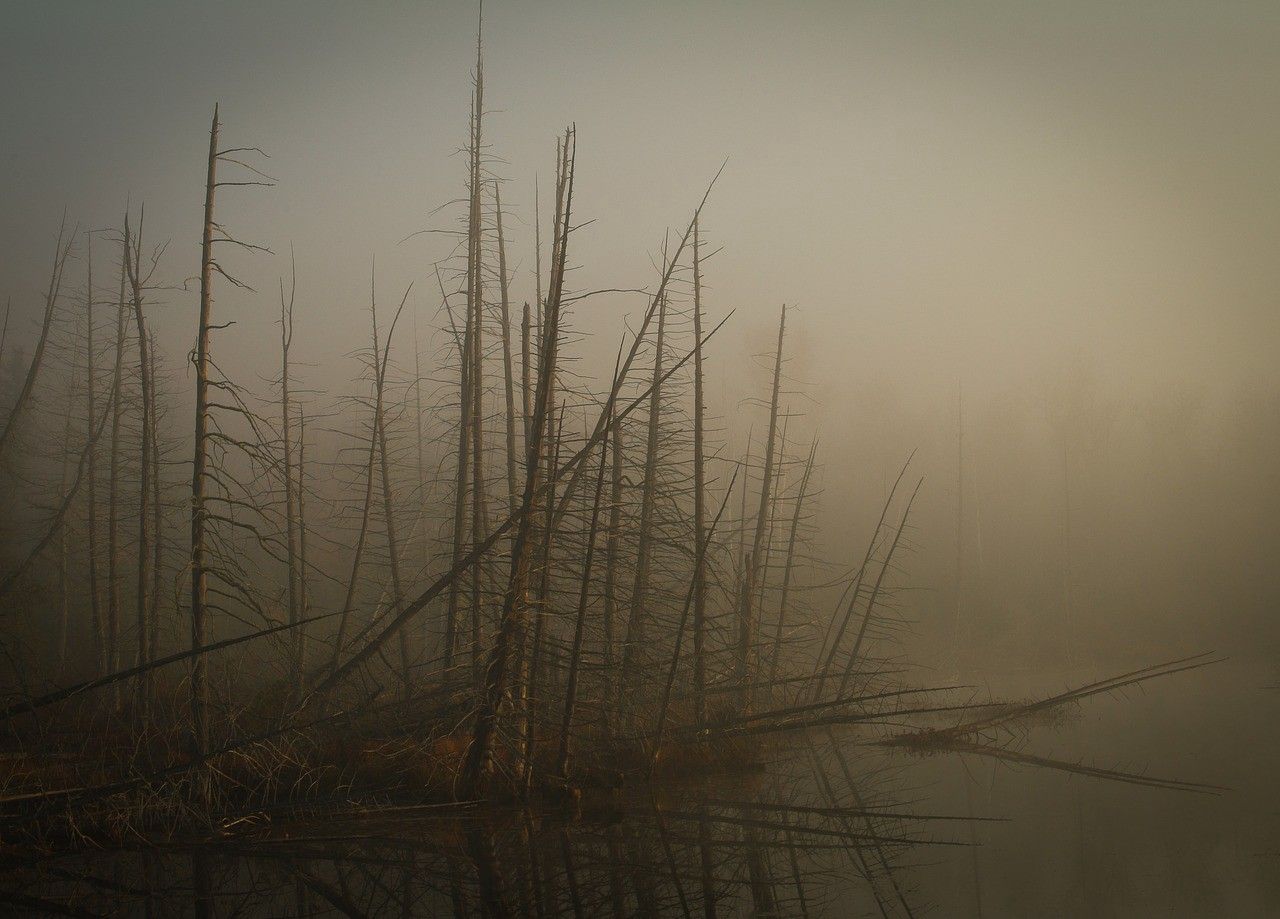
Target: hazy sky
995, 194
985, 192
944, 189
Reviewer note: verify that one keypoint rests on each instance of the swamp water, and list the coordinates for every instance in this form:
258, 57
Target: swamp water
829, 824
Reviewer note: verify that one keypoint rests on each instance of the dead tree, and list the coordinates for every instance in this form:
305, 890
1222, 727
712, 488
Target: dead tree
634, 637
753, 577
107, 638
199, 466
212, 233
60, 253
478, 760
64, 590
507, 372
788, 565
157, 508
699, 497
91, 412
380, 431
475, 311
133, 263
575, 652
286, 447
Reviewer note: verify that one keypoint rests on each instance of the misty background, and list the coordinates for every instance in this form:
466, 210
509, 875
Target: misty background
1055, 222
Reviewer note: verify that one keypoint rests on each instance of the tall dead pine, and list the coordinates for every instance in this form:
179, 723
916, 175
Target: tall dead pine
199, 471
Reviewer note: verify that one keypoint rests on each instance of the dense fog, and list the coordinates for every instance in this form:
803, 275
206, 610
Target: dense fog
1056, 224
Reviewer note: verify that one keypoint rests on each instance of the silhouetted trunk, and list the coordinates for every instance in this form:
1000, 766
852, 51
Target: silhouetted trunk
753, 578
144, 463
157, 511
475, 308
575, 651
796, 516
699, 498
344, 617
199, 575
507, 372
60, 253
611, 563
388, 511
64, 590
526, 371
286, 448
106, 637
634, 639
535, 669
303, 602
91, 412
476, 767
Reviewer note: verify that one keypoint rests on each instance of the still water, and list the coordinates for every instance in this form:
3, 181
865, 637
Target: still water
832, 825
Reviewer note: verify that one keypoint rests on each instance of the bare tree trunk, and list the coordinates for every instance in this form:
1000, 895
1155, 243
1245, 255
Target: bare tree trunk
543, 598
199, 576
700, 551
4, 332
291, 532
60, 253
461, 481
539, 300
611, 546
477, 765
303, 602
635, 634
64, 589
796, 517
752, 576
348, 602
418, 434
144, 465
475, 306
388, 514
699, 498
746, 629
91, 412
60, 514
157, 511
106, 638
575, 653
526, 372
508, 375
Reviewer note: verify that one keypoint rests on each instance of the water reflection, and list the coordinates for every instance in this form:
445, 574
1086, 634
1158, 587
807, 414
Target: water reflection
774, 841
827, 824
